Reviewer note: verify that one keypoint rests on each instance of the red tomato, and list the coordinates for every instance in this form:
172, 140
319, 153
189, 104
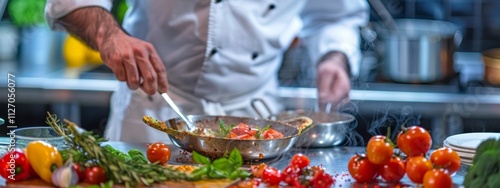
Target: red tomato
158, 152
393, 171
379, 150
80, 171
446, 158
416, 167
300, 160
271, 175
437, 178
291, 175
95, 175
361, 169
414, 141
258, 170
321, 178
272, 134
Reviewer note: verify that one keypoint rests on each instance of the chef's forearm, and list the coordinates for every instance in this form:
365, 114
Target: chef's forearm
91, 24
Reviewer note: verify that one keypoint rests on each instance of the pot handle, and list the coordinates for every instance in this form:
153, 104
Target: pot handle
302, 123
254, 101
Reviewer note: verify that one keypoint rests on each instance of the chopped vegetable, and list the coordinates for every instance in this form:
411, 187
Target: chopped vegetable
44, 158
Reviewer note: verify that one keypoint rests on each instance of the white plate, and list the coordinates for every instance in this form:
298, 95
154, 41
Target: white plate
457, 149
469, 161
470, 140
465, 155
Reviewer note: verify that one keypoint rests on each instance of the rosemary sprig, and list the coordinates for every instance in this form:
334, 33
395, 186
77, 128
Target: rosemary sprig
130, 174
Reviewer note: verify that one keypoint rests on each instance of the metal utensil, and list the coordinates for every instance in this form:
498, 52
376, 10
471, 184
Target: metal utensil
384, 14
190, 126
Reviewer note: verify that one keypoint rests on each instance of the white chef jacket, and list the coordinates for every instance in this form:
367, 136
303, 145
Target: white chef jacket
220, 54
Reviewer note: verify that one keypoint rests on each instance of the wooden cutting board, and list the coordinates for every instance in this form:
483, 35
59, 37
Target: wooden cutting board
39, 183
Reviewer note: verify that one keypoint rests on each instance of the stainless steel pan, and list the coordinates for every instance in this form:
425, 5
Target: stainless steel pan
251, 150
330, 129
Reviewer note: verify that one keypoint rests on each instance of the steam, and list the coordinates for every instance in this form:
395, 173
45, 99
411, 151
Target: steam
385, 119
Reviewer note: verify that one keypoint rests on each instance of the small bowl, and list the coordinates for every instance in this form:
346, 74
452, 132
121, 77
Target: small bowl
491, 61
23, 136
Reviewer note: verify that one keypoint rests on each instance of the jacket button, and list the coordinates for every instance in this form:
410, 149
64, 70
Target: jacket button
255, 55
218, 1
272, 6
212, 52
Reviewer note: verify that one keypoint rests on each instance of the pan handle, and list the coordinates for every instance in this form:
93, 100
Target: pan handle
302, 123
254, 101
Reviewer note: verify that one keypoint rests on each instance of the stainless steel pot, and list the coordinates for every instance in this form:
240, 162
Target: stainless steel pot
419, 51
330, 128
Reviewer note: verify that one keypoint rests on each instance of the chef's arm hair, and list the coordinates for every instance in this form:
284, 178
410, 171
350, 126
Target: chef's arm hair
91, 24
89, 20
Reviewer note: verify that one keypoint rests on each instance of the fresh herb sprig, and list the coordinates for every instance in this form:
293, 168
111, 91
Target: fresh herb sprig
224, 130
221, 168
130, 174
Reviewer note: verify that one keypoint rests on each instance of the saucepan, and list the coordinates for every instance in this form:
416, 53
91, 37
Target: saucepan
214, 147
330, 128
418, 51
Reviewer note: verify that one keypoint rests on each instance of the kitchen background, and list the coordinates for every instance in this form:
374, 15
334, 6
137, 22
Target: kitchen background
478, 20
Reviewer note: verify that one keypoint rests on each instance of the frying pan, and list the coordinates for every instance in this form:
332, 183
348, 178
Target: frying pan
214, 147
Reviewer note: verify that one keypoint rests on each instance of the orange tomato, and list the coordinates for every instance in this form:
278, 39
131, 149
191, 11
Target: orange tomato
414, 141
416, 167
378, 150
446, 158
437, 178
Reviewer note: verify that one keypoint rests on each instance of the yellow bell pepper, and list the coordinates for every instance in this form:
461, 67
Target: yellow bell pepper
44, 159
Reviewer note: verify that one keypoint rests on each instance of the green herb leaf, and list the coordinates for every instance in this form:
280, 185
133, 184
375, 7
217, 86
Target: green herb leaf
200, 172
200, 159
223, 166
239, 174
235, 158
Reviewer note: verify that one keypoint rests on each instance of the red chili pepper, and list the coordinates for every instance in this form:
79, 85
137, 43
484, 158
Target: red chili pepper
14, 166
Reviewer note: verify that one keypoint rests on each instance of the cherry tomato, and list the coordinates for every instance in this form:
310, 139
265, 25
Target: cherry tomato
446, 158
291, 175
416, 167
271, 175
300, 160
158, 152
393, 171
80, 171
257, 170
95, 175
437, 178
414, 141
379, 150
272, 134
361, 169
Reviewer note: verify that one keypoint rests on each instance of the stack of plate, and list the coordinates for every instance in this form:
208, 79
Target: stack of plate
465, 144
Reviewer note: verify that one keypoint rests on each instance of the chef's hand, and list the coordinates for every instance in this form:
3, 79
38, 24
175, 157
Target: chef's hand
134, 61
333, 80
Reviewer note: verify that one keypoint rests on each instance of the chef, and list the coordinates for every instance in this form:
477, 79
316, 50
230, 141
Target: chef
211, 56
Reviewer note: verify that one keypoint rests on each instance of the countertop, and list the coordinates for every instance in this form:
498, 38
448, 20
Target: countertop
334, 159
